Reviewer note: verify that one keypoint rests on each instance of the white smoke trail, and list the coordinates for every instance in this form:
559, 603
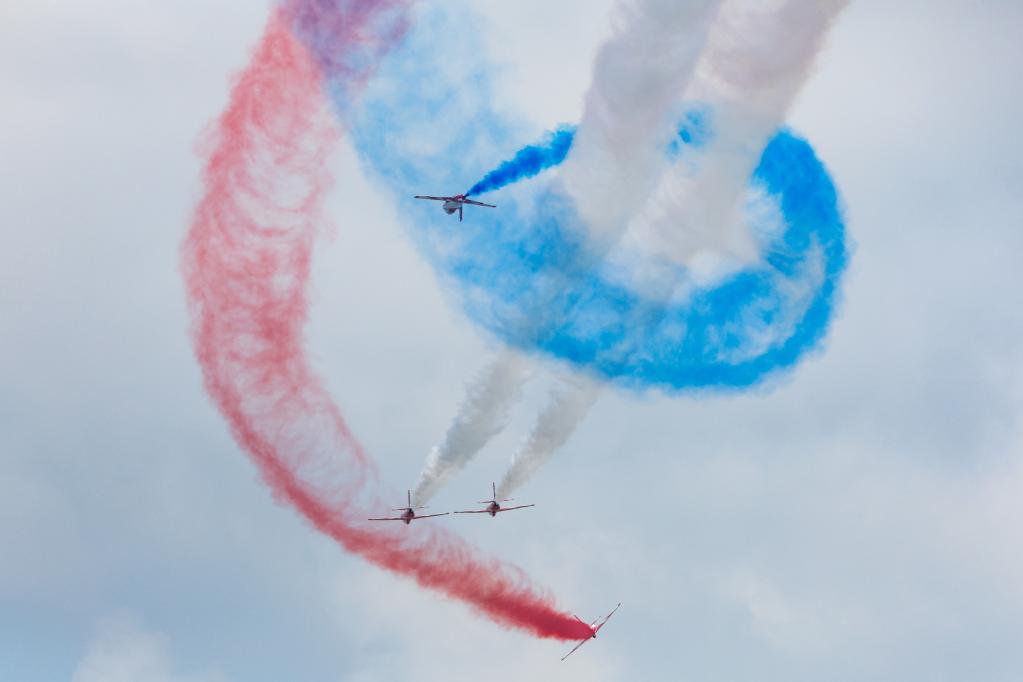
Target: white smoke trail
483, 414
629, 112
758, 56
568, 404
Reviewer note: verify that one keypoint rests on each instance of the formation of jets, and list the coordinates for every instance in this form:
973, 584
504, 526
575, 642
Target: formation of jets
408, 514
493, 507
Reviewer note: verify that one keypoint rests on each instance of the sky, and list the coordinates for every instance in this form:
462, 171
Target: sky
856, 519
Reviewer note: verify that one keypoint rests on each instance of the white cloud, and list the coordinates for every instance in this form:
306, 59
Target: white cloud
797, 625
122, 651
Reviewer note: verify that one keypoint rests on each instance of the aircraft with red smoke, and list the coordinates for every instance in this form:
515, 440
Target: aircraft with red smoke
455, 203
494, 505
409, 513
594, 629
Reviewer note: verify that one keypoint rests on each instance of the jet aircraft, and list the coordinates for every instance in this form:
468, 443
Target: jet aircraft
494, 505
455, 203
409, 513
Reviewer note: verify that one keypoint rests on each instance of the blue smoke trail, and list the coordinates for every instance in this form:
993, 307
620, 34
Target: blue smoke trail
528, 162
526, 272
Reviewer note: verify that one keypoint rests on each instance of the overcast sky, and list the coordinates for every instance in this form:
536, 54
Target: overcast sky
858, 520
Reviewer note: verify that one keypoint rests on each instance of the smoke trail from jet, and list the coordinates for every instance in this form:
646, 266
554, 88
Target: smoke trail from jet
631, 108
528, 161
758, 57
567, 406
246, 262
482, 415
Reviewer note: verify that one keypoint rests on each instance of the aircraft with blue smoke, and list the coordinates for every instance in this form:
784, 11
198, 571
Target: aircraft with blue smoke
409, 513
455, 203
494, 505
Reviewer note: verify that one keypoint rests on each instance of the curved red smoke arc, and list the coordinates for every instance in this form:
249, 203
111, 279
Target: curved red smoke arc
246, 262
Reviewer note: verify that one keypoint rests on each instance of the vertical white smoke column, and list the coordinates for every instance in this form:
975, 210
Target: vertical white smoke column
482, 415
629, 114
568, 404
758, 56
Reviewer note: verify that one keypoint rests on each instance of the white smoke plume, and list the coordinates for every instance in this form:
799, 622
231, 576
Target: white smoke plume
483, 414
630, 110
758, 56
568, 404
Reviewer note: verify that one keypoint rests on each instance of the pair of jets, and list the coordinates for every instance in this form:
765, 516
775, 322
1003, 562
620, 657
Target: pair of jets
455, 203
408, 514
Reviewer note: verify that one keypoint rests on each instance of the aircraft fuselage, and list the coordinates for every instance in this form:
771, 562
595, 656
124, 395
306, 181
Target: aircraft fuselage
453, 204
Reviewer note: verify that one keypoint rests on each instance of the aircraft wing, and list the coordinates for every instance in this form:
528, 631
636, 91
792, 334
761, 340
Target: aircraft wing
607, 617
429, 516
521, 506
475, 511
477, 203
432, 198
390, 518
575, 648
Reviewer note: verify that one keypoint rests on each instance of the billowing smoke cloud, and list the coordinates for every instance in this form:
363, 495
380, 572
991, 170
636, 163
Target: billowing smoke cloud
569, 402
246, 262
482, 415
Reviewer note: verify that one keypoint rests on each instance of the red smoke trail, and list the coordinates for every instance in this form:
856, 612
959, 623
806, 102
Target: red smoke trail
246, 264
